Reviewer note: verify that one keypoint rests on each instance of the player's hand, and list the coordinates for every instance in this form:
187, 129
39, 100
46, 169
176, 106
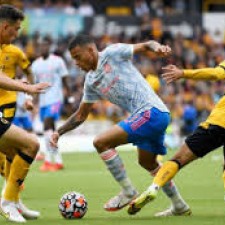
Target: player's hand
36, 88
171, 73
54, 139
28, 105
160, 50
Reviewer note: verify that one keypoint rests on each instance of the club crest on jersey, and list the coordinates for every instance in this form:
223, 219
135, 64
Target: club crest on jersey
107, 68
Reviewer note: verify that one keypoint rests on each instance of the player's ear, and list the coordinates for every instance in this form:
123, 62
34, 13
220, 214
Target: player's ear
90, 49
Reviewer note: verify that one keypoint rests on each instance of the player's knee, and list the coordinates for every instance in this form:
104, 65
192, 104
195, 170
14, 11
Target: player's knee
149, 166
99, 145
33, 146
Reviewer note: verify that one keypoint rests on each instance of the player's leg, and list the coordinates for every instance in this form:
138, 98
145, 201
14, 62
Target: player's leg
148, 161
27, 146
224, 169
105, 144
23, 209
201, 142
47, 164
49, 126
49, 115
57, 156
2, 164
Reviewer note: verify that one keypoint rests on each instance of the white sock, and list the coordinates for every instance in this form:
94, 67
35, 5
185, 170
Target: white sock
57, 156
48, 153
116, 167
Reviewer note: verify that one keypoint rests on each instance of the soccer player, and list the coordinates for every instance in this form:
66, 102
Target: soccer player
112, 76
11, 58
50, 68
19, 147
209, 136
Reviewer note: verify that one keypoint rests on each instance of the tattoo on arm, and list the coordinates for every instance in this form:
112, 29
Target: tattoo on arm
72, 123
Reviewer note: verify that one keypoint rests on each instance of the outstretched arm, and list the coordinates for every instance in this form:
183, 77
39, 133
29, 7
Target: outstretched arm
153, 46
75, 120
172, 73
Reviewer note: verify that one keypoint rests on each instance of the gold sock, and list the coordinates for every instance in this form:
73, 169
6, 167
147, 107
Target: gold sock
7, 168
2, 164
166, 173
18, 172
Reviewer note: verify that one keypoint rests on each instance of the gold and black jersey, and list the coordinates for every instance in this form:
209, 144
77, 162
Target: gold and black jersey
217, 116
11, 57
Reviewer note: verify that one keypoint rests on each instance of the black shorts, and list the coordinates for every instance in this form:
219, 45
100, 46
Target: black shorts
203, 140
4, 126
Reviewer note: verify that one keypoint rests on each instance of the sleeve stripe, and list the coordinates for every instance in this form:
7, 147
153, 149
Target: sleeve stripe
223, 67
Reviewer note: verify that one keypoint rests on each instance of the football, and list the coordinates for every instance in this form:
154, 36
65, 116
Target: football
73, 205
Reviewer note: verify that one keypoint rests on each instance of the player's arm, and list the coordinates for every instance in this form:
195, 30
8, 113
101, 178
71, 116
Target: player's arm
172, 73
153, 46
9, 84
75, 120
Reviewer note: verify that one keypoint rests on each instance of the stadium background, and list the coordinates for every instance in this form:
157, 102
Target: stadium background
195, 30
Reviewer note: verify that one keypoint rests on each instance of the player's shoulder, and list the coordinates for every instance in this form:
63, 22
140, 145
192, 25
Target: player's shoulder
111, 48
37, 61
222, 64
13, 49
56, 59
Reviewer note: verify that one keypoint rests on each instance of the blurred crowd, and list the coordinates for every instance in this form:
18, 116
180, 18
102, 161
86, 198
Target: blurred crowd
190, 102
92, 7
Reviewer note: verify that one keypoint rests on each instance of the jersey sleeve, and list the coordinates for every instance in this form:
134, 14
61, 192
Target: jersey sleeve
89, 96
222, 65
217, 73
62, 68
23, 61
121, 51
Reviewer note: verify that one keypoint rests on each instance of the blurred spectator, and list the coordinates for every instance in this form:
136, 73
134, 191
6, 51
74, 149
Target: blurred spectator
197, 51
140, 8
189, 119
85, 9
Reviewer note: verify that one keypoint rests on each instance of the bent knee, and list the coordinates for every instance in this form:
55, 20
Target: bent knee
100, 145
149, 166
32, 146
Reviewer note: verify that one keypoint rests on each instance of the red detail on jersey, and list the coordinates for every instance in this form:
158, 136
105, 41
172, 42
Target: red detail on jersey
106, 89
107, 68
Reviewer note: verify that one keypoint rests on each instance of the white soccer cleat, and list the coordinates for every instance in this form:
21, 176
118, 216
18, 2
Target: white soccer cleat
185, 211
119, 201
27, 213
9, 211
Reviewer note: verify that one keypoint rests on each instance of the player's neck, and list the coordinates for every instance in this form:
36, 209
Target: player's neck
45, 56
95, 64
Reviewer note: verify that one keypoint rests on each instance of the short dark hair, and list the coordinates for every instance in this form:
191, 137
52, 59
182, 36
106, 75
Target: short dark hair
10, 13
81, 40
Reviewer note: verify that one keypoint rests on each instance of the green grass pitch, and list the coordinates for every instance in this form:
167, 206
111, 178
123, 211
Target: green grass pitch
200, 184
